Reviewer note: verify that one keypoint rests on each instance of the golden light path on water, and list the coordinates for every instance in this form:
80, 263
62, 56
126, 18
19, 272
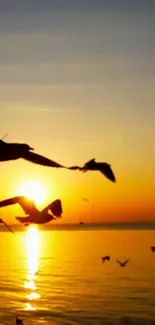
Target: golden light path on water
32, 241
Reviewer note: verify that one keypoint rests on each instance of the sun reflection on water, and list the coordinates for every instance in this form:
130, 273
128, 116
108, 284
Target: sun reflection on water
32, 247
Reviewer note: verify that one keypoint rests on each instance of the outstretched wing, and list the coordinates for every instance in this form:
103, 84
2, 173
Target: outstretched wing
119, 262
40, 160
106, 170
27, 205
55, 207
2, 221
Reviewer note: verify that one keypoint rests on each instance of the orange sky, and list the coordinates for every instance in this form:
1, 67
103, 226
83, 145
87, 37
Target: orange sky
79, 85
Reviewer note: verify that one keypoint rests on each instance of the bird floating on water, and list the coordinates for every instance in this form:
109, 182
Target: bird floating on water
14, 151
102, 167
19, 321
122, 264
105, 258
152, 248
33, 214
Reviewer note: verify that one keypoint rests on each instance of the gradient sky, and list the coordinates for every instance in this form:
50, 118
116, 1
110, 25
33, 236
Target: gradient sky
77, 81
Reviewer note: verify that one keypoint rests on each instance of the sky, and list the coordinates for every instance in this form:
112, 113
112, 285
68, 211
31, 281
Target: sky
77, 81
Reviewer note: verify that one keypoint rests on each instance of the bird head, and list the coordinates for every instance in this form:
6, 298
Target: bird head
26, 147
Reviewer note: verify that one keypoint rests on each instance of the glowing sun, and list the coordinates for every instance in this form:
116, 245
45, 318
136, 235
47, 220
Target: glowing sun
33, 190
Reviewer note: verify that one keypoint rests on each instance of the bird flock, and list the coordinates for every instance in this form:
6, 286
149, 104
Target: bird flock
122, 263
107, 258
14, 151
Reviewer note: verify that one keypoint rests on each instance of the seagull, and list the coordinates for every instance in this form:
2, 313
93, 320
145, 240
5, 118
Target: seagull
85, 199
2, 221
153, 248
122, 264
105, 258
33, 214
102, 167
19, 321
13, 151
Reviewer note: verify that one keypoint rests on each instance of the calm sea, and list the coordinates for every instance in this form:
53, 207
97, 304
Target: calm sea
57, 277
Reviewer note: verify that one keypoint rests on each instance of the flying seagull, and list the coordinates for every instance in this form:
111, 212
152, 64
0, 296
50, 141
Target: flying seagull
6, 225
102, 167
153, 248
105, 258
13, 151
33, 214
122, 264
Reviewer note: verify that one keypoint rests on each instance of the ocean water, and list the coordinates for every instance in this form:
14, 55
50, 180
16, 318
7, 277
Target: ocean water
57, 277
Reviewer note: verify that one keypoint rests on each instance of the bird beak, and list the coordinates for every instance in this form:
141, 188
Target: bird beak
31, 148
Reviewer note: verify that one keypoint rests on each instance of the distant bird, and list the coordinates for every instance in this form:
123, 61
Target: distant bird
13, 151
103, 167
85, 199
33, 214
105, 258
2, 221
153, 248
122, 264
19, 321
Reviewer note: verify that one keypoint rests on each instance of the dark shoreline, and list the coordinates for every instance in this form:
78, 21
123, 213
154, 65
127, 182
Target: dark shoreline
86, 226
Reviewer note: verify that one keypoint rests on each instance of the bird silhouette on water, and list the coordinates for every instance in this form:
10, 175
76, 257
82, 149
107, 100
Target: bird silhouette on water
122, 264
33, 214
19, 321
152, 248
14, 151
102, 167
105, 258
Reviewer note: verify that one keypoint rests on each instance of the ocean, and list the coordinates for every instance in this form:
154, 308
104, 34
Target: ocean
57, 276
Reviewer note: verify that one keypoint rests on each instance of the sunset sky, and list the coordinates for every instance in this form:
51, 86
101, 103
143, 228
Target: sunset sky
77, 81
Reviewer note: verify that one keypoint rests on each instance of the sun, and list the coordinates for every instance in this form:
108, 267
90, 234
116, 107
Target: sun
33, 190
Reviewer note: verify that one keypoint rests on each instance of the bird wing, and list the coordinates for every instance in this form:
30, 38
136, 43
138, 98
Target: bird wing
119, 262
27, 205
75, 168
106, 170
55, 207
90, 162
6, 225
125, 262
41, 160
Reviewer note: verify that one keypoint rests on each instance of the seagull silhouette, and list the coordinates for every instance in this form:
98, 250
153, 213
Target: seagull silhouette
102, 167
153, 248
105, 258
13, 151
33, 214
122, 264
